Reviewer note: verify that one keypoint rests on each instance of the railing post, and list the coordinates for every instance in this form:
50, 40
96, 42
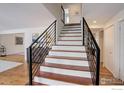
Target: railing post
82, 29
83, 32
98, 66
55, 32
29, 60
46, 39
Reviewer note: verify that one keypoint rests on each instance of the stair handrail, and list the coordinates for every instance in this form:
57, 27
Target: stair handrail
93, 50
39, 49
63, 14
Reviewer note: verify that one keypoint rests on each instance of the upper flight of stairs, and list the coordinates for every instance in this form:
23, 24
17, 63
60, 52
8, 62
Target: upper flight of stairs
70, 35
66, 63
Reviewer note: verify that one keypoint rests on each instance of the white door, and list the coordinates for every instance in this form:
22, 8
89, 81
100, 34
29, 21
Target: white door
121, 52
108, 48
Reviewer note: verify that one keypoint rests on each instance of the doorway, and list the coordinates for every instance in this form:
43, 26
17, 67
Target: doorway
72, 13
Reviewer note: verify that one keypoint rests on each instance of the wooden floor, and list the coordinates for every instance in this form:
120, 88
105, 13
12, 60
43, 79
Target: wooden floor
19, 75
106, 77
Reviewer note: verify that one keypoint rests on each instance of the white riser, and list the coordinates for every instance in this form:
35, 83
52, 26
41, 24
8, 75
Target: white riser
71, 48
67, 54
69, 42
71, 31
50, 81
66, 62
70, 38
72, 26
85, 74
70, 34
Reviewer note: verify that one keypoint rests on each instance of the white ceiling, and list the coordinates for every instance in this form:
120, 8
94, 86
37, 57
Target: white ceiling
25, 15
22, 15
101, 12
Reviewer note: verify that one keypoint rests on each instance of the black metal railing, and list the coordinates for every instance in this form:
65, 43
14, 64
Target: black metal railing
39, 49
93, 52
63, 14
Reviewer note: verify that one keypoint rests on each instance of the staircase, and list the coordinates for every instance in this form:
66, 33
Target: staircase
67, 61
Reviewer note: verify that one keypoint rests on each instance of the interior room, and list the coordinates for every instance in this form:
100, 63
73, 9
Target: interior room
12, 61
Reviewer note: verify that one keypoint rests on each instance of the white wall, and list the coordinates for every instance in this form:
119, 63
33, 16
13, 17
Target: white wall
117, 44
8, 40
44, 20
55, 10
109, 48
27, 35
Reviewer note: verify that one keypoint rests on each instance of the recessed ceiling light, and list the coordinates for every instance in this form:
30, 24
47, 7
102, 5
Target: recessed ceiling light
94, 21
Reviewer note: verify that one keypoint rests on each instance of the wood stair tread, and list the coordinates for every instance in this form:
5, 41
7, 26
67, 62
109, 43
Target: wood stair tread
37, 83
65, 78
